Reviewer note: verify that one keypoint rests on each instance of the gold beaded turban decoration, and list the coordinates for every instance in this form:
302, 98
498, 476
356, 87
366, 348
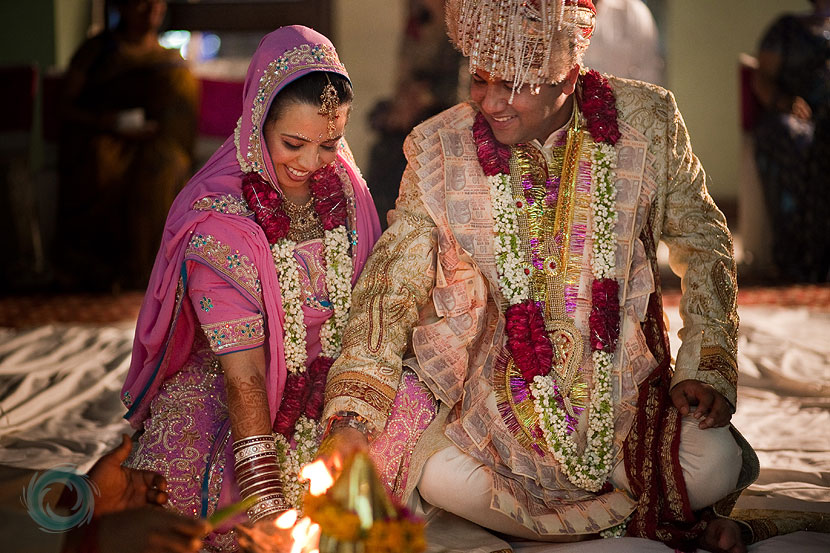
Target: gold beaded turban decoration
531, 42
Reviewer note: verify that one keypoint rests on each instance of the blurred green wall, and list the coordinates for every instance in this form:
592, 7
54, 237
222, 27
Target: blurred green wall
28, 34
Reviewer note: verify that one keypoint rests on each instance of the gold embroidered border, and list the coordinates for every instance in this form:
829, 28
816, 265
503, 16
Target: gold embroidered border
228, 204
248, 331
321, 57
361, 387
673, 497
234, 265
717, 359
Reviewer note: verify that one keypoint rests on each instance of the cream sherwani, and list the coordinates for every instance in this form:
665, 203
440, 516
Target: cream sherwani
428, 301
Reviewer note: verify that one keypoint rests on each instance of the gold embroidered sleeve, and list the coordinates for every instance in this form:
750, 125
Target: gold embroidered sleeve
700, 252
394, 286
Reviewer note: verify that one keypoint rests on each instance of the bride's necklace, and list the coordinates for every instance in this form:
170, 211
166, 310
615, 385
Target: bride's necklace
305, 223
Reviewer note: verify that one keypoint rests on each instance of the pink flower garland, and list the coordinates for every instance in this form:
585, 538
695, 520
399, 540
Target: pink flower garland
527, 340
493, 156
329, 199
303, 393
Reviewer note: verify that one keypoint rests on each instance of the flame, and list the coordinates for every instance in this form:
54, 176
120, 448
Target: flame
305, 534
319, 477
286, 520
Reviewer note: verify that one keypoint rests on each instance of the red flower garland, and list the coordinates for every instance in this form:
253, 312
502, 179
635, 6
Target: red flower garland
266, 204
600, 108
604, 321
329, 199
317, 373
294, 396
303, 395
527, 340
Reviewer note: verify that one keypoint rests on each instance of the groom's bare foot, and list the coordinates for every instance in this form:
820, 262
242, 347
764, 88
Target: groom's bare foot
722, 536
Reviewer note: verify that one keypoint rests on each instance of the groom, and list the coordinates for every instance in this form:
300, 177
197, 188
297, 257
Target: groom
506, 359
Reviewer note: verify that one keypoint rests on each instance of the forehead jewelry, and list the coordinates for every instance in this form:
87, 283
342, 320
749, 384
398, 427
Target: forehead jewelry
329, 104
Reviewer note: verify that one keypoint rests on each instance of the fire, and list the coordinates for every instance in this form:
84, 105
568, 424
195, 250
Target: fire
318, 476
352, 514
286, 520
305, 534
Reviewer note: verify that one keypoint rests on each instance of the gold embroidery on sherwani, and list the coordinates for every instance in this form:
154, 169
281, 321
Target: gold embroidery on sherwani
718, 360
379, 285
395, 284
700, 245
673, 498
725, 285
361, 386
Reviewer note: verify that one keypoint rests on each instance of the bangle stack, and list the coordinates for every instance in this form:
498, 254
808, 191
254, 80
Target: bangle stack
258, 474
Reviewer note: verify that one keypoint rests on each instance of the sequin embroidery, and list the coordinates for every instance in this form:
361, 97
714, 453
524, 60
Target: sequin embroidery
227, 204
231, 263
248, 331
304, 56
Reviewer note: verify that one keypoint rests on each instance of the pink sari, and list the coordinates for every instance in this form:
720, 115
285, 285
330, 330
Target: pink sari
166, 328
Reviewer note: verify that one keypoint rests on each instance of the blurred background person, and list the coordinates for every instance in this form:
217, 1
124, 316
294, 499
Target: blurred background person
427, 83
626, 42
130, 111
792, 141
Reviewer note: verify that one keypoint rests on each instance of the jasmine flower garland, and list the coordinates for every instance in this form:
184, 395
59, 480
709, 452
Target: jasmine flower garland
295, 424
515, 285
527, 341
339, 269
294, 326
291, 460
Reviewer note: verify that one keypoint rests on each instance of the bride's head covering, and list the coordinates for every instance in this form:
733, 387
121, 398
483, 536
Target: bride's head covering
163, 338
528, 42
282, 57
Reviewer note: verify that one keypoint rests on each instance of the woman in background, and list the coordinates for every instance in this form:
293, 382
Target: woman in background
792, 141
129, 111
251, 290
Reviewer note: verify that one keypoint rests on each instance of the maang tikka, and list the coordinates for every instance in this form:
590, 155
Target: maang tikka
329, 104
